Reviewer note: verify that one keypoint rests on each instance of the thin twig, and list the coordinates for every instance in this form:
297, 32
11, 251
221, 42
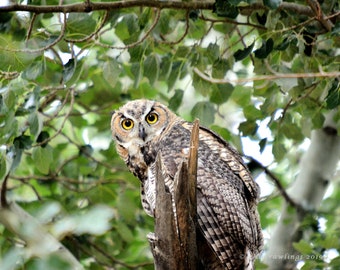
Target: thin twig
29, 31
59, 38
187, 25
230, 21
277, 183
315, 6
3, 199
101, 25
277, 76
71, 92
147, 33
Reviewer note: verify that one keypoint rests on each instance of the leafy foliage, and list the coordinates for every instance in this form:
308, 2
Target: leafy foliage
238, 67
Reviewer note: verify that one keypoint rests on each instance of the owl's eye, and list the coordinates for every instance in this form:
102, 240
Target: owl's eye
152, 118
127, 124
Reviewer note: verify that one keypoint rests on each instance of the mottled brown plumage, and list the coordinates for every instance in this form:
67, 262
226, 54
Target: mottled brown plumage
226, 193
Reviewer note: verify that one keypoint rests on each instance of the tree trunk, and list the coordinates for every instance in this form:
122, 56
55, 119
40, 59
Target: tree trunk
173, 244
317, 168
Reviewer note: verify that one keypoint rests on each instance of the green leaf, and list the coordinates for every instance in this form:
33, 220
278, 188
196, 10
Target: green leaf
252, 113
9, 99
224, 8
263, 144
242, 95
213, 52
151, 68
165, 68
22, 142
42, 158
201, 86
223, 132
333, 96
221, 93
12, 60
3, 166
241, 54
33, 70
248, 128
80, 25
174, 74
205, 112
265, 49
176, 100
318, 120
335, 263
283, 45
336, 29
124, 232
291, 131
279, 150
35, 121
272, 4
136, 70
111, 72
182, 52
128, 29
68, 70
50, 262
303, 247
136, 53
95, 221
43, 136
220, 68
287, 84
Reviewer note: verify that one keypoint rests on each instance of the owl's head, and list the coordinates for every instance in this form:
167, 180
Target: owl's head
139, 122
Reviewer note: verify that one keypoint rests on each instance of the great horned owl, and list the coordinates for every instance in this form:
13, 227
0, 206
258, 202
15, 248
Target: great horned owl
227, 195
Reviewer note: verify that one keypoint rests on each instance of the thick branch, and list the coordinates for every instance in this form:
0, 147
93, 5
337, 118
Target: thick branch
88, 6
38, 240
315, 6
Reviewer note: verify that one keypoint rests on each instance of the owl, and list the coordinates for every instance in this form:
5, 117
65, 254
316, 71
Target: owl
229, 229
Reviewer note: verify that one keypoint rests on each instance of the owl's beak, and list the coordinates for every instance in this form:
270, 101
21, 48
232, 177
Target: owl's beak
141, 132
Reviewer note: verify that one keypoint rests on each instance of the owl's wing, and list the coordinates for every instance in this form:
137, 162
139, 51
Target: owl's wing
233, 181
226, 197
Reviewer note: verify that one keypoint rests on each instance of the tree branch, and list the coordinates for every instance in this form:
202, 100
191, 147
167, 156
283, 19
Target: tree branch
277, 183
88, 6
315, 6
36, 237
276, 76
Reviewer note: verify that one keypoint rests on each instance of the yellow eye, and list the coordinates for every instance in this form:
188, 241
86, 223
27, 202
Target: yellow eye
127, 124
152, 118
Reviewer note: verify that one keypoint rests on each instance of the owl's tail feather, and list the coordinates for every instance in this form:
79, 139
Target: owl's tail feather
248, 260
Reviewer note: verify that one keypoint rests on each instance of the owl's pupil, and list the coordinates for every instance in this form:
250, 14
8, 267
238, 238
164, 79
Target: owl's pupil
128, 123
152, 117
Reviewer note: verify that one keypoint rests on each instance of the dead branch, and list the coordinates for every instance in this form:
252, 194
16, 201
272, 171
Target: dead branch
173, 244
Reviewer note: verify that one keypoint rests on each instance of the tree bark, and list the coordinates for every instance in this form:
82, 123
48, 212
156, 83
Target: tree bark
317, 168
173, 244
